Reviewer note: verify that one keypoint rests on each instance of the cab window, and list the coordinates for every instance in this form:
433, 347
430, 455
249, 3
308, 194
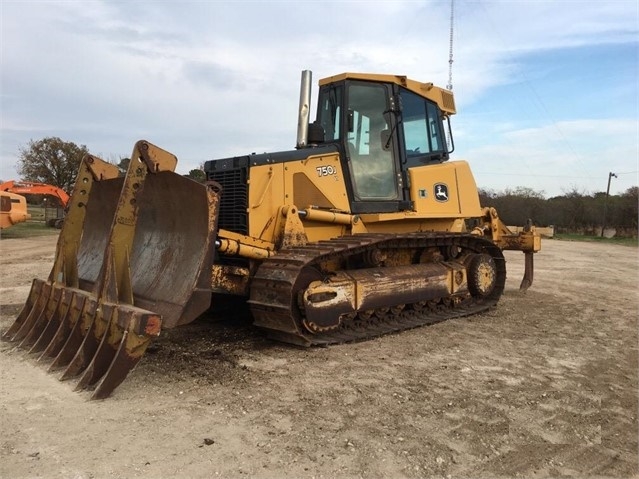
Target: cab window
423, 134
5, 203
367, 130
329, 112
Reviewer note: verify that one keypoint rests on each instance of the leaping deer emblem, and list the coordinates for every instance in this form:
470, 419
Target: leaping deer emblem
441, 192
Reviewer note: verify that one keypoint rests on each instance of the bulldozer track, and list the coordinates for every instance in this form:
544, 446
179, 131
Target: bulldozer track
275, 288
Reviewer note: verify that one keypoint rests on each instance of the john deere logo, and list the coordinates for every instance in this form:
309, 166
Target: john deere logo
441, 192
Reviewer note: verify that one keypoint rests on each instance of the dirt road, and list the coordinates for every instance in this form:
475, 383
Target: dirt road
544, 385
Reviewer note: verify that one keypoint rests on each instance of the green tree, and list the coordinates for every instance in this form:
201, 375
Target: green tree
51, 161
516, 206
197, 174
123, 165
573, 212
627, 213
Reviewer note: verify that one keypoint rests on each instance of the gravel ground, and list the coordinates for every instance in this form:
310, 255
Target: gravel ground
543, 385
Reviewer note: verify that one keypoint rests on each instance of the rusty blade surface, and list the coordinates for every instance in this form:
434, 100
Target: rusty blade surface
98, 219
53, 322
170, 242
77, 334
90, 341
35, 312
172, 252
67, 324
53, 295
103, 356
141, 328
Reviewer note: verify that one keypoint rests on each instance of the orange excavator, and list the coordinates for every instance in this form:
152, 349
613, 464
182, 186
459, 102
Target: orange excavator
29, 188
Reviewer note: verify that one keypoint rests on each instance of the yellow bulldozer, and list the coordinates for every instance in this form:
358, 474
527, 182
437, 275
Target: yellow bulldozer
365, 228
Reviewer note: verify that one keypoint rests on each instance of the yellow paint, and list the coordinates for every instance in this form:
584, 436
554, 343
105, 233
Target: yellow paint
461, 199
443, 98
315, 181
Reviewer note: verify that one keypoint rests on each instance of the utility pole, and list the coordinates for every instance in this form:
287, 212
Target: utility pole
603, 223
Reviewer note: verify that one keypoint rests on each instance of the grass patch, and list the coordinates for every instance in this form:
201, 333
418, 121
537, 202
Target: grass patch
28, 229
597, 239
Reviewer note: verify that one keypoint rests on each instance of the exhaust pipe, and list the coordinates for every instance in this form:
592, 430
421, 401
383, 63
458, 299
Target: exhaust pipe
304, 110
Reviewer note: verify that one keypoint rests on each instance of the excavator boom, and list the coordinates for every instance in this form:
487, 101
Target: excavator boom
30, 188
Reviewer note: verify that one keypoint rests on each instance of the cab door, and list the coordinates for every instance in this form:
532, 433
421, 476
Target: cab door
372, 161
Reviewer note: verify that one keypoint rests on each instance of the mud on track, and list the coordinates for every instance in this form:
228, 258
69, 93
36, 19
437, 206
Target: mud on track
544, 385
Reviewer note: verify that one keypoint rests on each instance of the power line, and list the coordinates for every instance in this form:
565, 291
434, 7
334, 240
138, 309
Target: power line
539, 100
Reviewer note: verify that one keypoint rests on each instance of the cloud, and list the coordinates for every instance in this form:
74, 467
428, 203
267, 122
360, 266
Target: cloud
554, 158
215, 79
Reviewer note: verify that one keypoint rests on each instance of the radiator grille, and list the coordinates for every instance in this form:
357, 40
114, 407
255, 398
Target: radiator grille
233, 206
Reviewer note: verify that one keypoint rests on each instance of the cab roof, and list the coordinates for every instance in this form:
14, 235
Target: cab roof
444, 98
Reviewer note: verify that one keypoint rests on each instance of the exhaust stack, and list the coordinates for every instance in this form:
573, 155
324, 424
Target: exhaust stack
304, 109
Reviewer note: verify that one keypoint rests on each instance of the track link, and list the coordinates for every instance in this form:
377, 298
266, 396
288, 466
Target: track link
275, 288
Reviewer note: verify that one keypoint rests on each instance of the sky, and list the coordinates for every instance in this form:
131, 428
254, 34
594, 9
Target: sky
547, 92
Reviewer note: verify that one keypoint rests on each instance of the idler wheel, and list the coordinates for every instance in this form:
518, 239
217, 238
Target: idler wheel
482, 275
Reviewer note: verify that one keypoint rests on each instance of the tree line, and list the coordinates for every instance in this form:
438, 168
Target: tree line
56, 162
572, 212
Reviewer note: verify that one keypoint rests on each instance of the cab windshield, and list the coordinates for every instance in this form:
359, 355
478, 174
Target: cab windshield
423, 133
366, 131
367, 139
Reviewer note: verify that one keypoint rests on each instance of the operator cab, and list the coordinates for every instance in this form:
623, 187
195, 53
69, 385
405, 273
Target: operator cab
382, 128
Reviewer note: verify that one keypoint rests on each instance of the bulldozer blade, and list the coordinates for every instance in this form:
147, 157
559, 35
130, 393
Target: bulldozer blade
34, 313
172, 252
40, 323
53, 324
78, 332
34, 295
90, 342
68, 321
103, 356
152, 281
170, 235
142, 327
134, 251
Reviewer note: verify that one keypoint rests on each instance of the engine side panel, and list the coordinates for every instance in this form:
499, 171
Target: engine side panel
447, 190
314, 181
